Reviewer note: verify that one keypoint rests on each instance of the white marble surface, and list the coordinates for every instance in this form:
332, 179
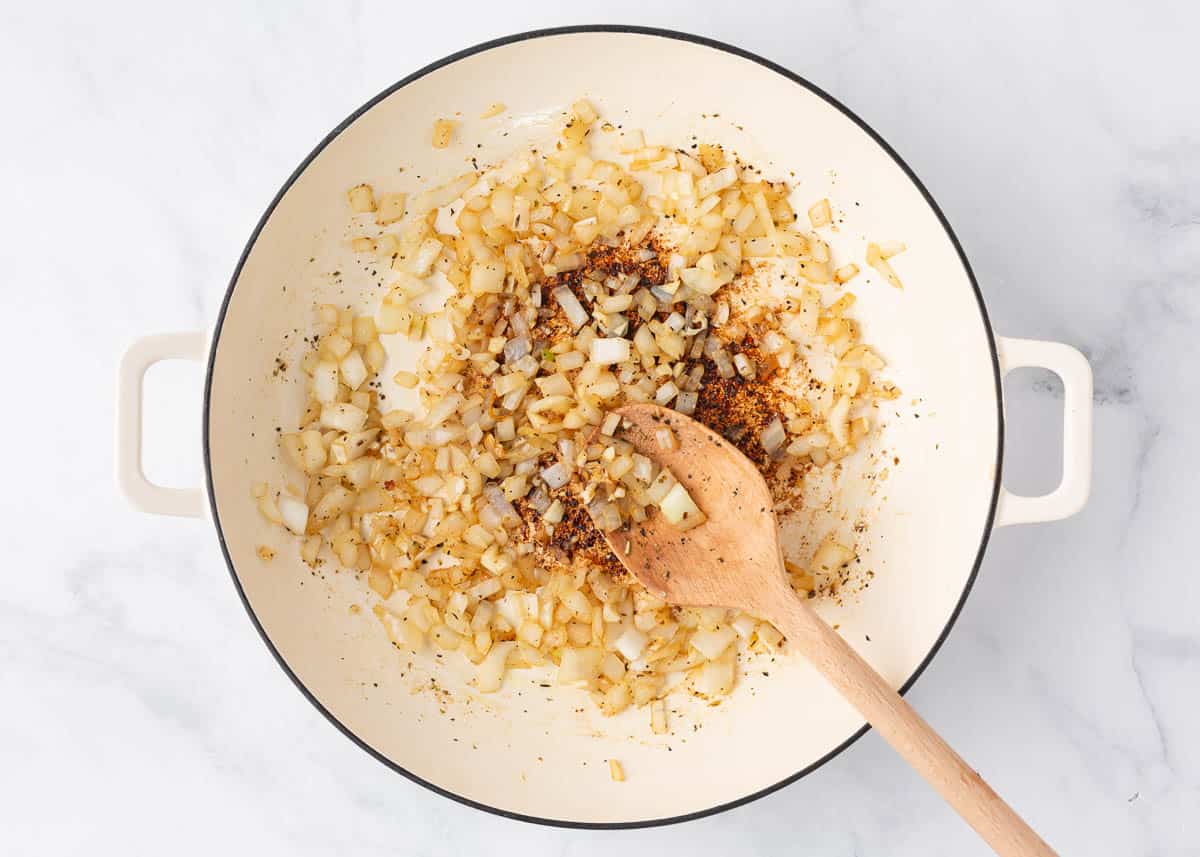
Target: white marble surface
141, 714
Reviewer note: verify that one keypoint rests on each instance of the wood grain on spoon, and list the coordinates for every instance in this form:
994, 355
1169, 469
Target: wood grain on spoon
733, 560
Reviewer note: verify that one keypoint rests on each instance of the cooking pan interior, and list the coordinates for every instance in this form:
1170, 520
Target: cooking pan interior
538, 751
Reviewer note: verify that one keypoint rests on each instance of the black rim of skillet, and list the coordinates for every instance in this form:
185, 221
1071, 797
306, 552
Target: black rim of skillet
559, 31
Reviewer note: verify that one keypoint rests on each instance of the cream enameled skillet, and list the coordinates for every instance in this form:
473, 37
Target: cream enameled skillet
540, 754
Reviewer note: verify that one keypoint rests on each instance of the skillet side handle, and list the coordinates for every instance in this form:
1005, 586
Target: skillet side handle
139, 490
1076, 374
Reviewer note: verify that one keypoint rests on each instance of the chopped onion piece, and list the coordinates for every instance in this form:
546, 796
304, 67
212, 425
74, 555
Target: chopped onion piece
425, 256
343, 417
830, 557
745, 366
505, 511
715, 678
325, 382
485, 589
773, 436
491, 670
846, 273
579, 666
554, 385
631, 644
680, 510
658, 717
571, 306
353, 370
570, 361
820, 214
609, 426
839, 425
716, 182
556, 476
685, 403
616, 303
724, 365
362, 199
539, 500
744, 625
605, 352
712, 644
643, 468
486, 278
515, 349
605, 515
294, 514
442, 410
878, 261
666, 393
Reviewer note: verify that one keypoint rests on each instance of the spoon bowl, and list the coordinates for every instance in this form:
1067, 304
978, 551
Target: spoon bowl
709, 565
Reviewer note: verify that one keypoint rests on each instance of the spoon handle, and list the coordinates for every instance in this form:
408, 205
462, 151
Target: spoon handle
910, 736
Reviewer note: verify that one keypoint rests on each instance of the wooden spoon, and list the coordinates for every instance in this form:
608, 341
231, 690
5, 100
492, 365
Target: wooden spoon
733, 560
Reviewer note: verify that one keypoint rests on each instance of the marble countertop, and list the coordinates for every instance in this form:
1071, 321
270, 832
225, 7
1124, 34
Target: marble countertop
141, 713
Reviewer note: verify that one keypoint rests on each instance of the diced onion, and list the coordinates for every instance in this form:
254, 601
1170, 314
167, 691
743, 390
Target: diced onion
294, 514
506, 402
680, 510
505, 512
712, 644
616, 303
839, 425
830, 557
773, 436
658, 717
631, 644
609, 426
643, 468
820, 214
878, 261
343, 417
556, 476
661, 486
362, 199
486, 277
686, 402
515, 349
605, 515
579, 666
715, 678
570, 304
490, 674
554, 385
353, 370
725, 367
745, 366
605, 352
716, 182
744, 625
325, 382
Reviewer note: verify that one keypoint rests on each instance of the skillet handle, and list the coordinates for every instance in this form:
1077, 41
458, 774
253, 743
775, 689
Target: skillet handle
1076, 374
139, 490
